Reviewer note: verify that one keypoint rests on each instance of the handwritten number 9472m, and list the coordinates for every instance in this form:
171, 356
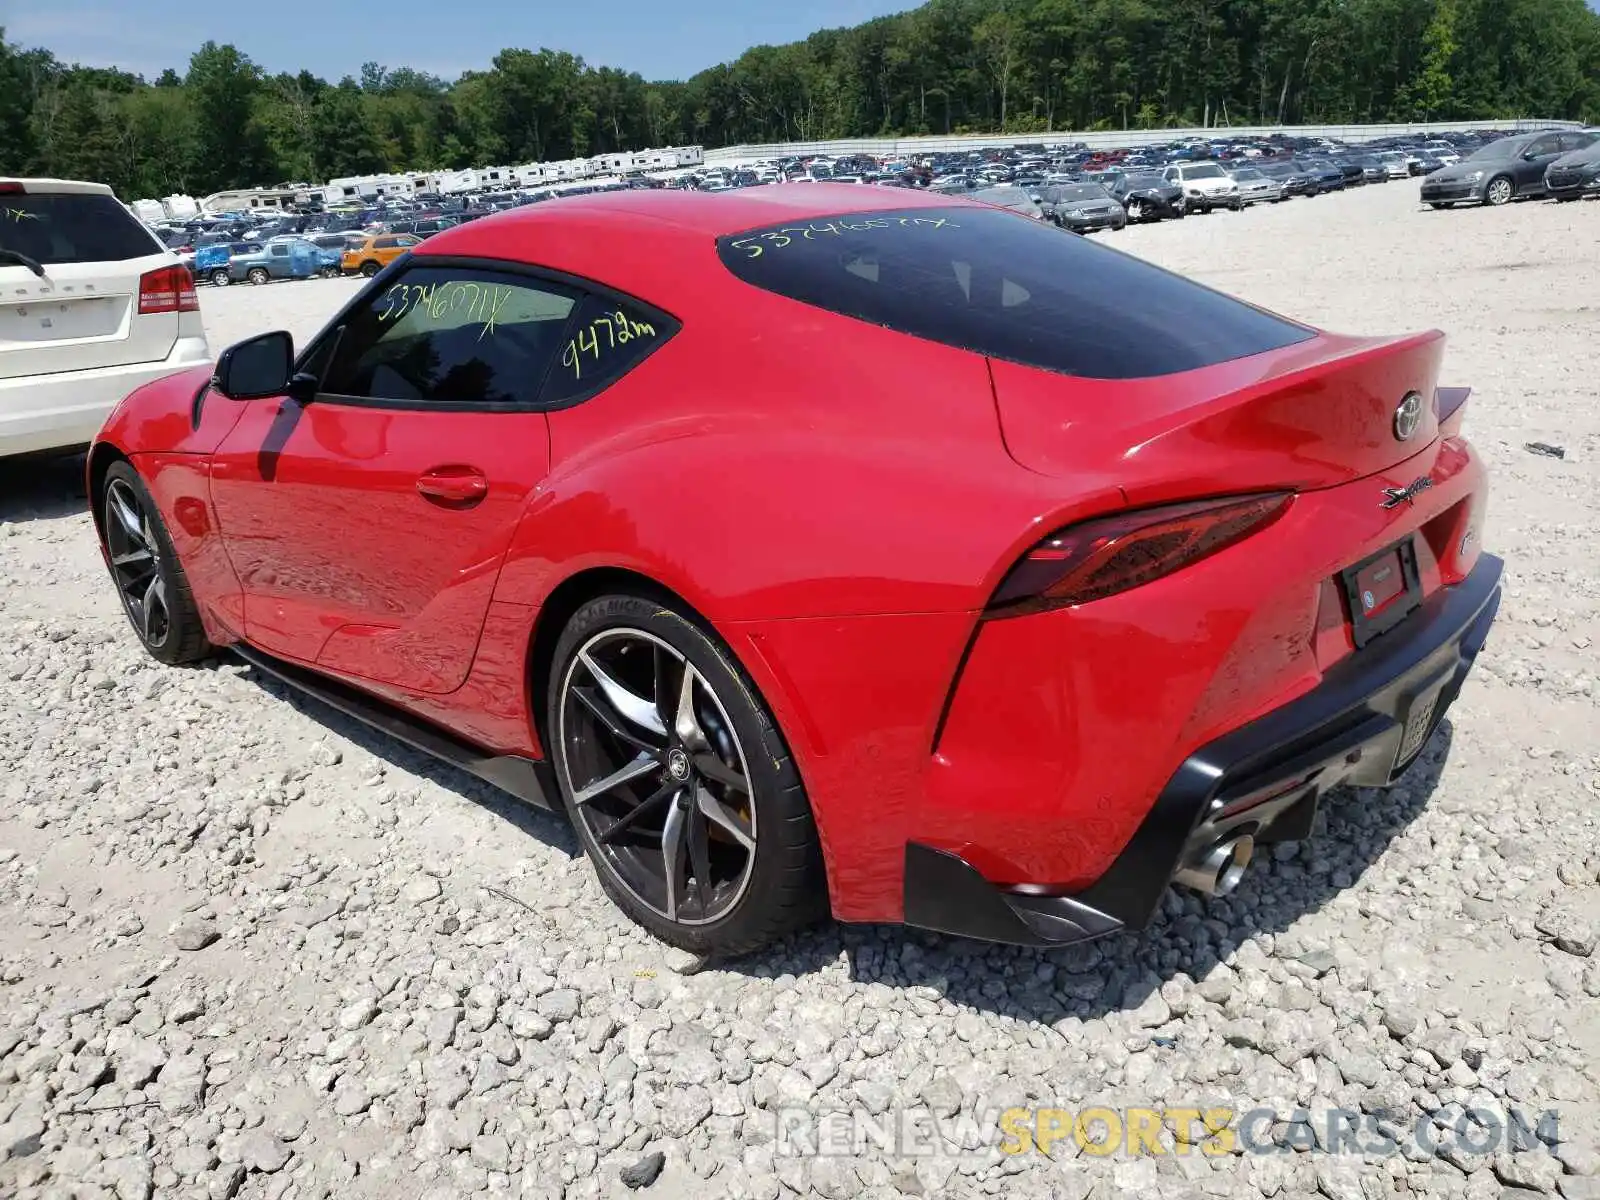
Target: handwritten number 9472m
603, 333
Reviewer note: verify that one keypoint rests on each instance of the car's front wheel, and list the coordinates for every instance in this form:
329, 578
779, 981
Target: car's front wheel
1499, 191
150, 580
1135, 210
678, 781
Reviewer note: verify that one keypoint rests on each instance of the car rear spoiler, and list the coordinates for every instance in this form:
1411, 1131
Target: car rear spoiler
1449, 404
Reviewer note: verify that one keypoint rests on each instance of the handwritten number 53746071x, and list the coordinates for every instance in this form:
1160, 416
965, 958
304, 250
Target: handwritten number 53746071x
757, 244
480, 302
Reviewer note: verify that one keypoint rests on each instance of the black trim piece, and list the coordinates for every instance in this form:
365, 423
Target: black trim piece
1264, 778
198, 402
667, 322
527, 779
945, 893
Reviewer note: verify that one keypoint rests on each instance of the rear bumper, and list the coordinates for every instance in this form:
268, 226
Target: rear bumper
67, 408
1362, 725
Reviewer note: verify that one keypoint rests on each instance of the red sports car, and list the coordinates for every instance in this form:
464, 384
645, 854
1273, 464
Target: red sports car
821, 548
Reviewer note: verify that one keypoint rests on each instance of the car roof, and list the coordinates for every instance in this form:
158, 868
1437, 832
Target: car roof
42, 185
648, 243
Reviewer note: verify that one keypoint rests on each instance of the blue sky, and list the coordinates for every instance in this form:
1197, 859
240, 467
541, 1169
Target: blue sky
660, 39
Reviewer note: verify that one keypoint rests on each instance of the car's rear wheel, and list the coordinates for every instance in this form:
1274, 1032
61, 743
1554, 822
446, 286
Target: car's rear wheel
1498, 192
150, 580
369, 269
678, 781
220, 277
258, 275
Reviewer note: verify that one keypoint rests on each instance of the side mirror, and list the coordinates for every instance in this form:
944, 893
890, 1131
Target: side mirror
1530, 155
256, 368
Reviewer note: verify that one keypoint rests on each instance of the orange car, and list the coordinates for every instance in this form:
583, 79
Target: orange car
371, 256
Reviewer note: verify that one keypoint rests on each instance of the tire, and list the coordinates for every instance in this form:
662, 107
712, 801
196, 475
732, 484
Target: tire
1236, 206
369, 269
220, 277
1437, 205
144, 565
1499, 191
718, 769
1135, 210
258, 275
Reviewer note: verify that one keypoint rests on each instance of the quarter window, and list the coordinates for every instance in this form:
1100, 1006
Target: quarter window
606, 341
451, 336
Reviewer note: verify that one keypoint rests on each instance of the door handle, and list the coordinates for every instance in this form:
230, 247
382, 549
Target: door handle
456, 486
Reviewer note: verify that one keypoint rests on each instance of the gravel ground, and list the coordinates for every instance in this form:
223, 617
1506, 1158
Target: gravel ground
248, 949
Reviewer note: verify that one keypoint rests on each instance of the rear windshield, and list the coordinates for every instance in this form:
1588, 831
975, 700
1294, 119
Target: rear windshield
1008, 287
1204, 171
73, 227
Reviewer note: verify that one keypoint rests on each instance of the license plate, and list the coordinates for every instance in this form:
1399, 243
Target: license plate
1382, 591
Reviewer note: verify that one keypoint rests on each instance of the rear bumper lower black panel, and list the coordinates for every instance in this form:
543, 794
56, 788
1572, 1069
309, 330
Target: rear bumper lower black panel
1362, 725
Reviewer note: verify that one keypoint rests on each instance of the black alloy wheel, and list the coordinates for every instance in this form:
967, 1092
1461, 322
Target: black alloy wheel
677, 780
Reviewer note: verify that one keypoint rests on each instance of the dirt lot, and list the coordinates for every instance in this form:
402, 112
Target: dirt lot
248, 949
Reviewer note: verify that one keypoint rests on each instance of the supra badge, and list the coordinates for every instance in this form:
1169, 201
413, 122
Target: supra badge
1396, 496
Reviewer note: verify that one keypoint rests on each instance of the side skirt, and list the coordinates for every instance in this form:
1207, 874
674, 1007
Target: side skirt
529, 780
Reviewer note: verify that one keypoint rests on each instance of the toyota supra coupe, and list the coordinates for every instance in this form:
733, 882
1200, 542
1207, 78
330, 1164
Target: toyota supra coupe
823, 549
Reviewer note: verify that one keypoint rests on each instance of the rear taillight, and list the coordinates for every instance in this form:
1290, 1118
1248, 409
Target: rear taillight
12, 188
1112, 554
167, 290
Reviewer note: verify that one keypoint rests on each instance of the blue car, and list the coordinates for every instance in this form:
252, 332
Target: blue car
253, 262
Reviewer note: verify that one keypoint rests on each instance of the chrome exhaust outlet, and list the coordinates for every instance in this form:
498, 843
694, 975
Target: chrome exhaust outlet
1219, 870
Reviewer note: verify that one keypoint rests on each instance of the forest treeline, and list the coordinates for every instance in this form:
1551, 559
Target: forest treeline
951, 66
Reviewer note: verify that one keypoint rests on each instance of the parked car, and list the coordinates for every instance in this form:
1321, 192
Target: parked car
1255, 187
284, 258
571, 626
1396, 164
1327, 175
1205, 186
1146, 196
211, 261
1018, 200
1296, 179
95, 306
1502, 171
1576, 173
1082, 207
375, 253
331, 248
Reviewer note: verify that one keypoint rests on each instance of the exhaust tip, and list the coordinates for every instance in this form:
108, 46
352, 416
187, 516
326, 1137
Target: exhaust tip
1219, 870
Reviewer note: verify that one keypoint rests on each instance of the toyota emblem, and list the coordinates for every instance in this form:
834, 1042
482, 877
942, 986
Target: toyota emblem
1407, 417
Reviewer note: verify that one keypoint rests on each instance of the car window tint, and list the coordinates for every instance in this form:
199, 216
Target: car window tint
606, 341
1548, 144
1005, 286
72, 227
444, 335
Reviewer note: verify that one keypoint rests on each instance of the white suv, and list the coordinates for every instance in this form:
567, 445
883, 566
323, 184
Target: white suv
91, 307
1205, 186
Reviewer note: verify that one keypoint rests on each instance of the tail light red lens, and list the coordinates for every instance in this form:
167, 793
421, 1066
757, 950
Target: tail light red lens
167, 290
1112, 554
1449, 407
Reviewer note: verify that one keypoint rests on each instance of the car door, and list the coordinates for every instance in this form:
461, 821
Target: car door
278, 260
367, 525
1530, 166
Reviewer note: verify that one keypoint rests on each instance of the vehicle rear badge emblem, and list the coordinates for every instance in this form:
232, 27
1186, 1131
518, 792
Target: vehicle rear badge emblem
1407, 417
1395, 497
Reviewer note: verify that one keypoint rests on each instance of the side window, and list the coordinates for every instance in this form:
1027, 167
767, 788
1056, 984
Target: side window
385, 243
1576, 141
605, 341
448, 336
1548, 144
280, 251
